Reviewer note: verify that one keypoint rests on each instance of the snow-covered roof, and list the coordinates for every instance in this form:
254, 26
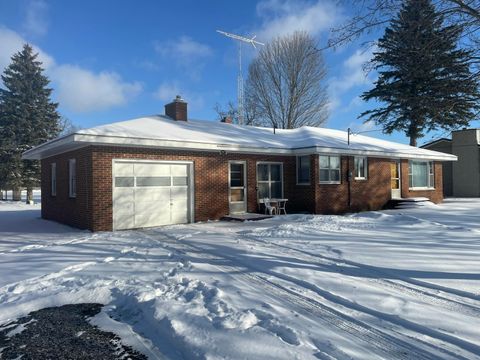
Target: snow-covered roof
162, 132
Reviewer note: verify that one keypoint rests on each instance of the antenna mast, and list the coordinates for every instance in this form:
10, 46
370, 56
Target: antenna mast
240, 94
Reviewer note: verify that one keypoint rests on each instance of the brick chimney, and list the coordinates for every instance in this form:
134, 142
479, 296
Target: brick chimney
226, 120
177, 109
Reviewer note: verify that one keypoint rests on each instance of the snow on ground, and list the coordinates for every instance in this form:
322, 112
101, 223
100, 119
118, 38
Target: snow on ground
401, 284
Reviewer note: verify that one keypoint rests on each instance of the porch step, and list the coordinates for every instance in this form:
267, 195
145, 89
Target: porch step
245, 217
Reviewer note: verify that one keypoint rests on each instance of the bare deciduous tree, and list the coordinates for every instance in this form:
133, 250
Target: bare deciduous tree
231, 111
285, 86
67, 127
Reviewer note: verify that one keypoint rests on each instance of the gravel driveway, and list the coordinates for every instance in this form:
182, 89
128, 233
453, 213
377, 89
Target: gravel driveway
62, 333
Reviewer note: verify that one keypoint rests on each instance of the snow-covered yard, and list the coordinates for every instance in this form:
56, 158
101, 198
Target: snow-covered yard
392, 284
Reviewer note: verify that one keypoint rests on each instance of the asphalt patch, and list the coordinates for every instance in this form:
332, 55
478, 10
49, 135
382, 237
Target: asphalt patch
62, 333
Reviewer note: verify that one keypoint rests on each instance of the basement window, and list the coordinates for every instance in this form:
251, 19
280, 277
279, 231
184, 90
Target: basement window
72, 178
421, 175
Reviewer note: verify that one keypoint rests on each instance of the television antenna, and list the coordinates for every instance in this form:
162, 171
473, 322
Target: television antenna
240, 95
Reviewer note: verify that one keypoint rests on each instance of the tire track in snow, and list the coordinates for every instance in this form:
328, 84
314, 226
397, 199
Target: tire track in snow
410, 285
31, 247
346, 303
384, 343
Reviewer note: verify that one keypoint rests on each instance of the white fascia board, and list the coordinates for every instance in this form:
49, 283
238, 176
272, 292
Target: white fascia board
51, 146
386, 154
75, 141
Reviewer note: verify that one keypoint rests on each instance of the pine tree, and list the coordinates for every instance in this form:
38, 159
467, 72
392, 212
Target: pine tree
28, 118
424, 79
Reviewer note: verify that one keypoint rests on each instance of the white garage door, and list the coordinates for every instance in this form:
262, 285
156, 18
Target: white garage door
150, 194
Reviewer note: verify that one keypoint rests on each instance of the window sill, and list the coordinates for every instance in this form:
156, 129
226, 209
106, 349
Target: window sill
329, 182
360, 179
421, 189
303, 184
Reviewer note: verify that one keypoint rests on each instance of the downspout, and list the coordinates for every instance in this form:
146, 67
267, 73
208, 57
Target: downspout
349, 181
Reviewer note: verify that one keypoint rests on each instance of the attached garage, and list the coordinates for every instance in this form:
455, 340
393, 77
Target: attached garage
147, 193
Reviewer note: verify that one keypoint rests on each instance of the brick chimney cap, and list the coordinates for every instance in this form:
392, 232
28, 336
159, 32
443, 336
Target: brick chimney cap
178, 98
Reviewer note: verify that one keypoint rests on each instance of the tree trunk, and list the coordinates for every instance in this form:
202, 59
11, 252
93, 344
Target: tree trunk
413, 141
17, 194
1, 195
29, 195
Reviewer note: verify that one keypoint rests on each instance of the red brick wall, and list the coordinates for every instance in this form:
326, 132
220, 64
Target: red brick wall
369, 194
435, 195
211, 180
62, 208
92, 208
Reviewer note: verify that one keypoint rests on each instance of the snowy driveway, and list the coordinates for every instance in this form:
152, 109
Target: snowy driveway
400, 284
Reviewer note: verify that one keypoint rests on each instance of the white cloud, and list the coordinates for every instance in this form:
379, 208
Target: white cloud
184, 48
362, 127
187, 53
82, 90
36, 18
11, 43
281, 17
352, 75
167, 91
76, 88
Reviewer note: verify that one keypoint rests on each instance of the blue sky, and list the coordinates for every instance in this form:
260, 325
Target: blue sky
115, 60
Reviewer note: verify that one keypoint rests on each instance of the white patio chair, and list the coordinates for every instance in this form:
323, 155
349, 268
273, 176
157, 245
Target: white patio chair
281, 207
269, 207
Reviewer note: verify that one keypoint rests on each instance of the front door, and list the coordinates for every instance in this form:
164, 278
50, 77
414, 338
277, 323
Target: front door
395, 179
237, 187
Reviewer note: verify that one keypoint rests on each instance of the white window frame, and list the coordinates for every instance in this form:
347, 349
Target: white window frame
329, 168
309, 169
356, 170
53, 179
430, 176
72, 178
269, 181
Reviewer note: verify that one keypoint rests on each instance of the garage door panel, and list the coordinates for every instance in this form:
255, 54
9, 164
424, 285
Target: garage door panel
153, 195
179, 218
179, 192
152, 219
179, 170
124, 220
179, 215
124, 208
123, 169
148, 207
152, 170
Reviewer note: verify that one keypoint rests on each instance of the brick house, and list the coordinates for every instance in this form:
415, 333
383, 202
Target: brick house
169, 169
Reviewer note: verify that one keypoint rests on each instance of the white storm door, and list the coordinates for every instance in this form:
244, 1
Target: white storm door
237, 187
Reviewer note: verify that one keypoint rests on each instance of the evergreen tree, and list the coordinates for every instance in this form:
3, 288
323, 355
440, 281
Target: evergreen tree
28, 118
424, 79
